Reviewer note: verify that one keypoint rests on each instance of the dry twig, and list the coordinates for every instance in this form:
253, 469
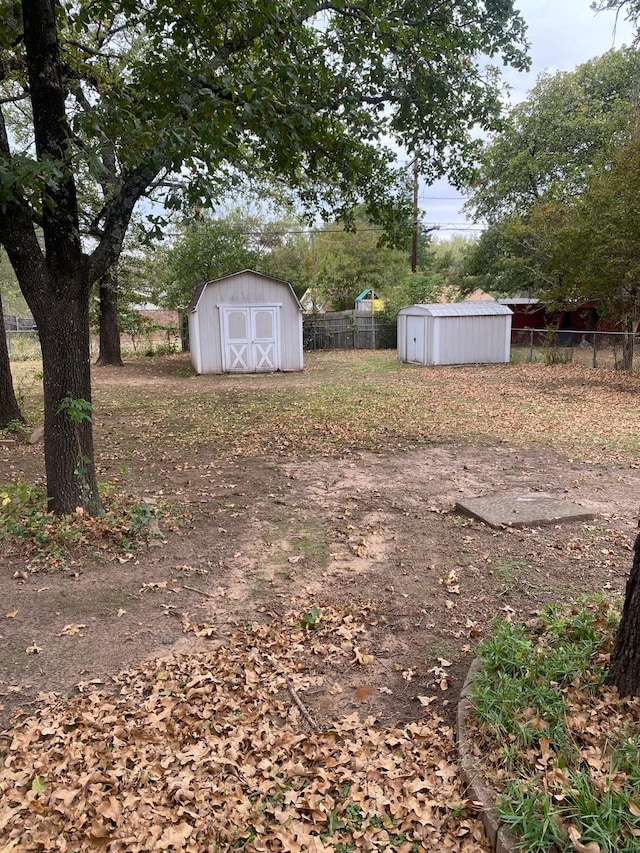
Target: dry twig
298, 701
199, 591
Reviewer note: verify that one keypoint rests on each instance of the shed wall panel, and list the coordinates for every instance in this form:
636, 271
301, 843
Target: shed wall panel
194, 342
471, 340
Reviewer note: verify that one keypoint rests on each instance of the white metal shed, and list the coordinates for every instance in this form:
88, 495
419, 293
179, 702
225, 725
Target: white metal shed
455, 333
245, 322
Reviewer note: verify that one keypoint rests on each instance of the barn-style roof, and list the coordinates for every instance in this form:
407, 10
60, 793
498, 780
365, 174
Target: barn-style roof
197, 293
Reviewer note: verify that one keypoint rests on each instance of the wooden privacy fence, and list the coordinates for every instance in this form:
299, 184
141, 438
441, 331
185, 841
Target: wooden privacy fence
348, 330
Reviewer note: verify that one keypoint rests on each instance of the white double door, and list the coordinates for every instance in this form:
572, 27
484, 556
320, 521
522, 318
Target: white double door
250, 338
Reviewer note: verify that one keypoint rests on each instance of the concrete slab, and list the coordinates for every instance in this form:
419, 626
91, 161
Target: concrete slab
530, 509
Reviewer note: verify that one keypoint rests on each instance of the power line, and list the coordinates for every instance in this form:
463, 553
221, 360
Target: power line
444, 197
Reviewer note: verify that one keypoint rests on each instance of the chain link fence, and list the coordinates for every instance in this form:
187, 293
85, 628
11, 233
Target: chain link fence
568, 346
22, 345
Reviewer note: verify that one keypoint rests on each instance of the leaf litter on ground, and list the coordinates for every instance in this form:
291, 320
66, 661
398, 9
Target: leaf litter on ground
208, 751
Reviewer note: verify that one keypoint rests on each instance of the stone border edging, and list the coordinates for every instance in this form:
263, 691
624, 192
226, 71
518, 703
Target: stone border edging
501, 838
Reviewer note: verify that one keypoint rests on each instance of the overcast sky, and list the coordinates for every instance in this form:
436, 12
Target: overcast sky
562, 35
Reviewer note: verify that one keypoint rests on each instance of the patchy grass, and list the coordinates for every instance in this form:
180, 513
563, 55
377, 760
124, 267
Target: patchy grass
561, 748
368, 401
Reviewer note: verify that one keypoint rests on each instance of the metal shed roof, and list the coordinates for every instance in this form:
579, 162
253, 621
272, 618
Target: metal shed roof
487, 308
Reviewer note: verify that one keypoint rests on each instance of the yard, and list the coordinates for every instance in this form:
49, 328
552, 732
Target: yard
328, 495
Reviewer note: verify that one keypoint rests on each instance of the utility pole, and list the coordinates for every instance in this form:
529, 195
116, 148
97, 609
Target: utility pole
414, 238
314, 289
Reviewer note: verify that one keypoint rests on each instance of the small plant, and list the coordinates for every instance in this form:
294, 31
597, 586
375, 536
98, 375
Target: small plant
553, 352
15, 428
139, 515
311, 618
80, 411
44, 539
23, 512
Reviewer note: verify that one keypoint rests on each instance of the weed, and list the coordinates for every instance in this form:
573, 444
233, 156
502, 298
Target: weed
458, 811
23, 512
139, 515
48, 540
80, 411
311, 618
16, 428
354, 814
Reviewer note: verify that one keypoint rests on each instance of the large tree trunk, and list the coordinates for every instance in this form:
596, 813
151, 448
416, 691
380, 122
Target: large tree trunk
624, 669
110, 352
68, 434
9, 408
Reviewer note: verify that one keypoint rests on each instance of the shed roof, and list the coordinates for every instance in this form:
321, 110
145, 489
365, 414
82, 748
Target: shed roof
518, 301
485, 308
197, 293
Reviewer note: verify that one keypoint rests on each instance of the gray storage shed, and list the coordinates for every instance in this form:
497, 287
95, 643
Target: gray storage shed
246, 322
455, 333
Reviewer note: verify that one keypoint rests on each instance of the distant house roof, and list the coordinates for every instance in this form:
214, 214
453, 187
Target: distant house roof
479, 295
484, 307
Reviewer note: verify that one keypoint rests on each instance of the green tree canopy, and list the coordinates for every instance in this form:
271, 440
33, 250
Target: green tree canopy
593, 243
566, 130
204, 249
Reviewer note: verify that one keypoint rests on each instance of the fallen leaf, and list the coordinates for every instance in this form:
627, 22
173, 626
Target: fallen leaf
11, 614
70, 630
575, 835
125, 558
364, 692
33, 649
175, 836
37, 785
363, 658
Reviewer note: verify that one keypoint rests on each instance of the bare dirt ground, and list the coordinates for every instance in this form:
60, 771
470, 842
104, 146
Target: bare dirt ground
265, 534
